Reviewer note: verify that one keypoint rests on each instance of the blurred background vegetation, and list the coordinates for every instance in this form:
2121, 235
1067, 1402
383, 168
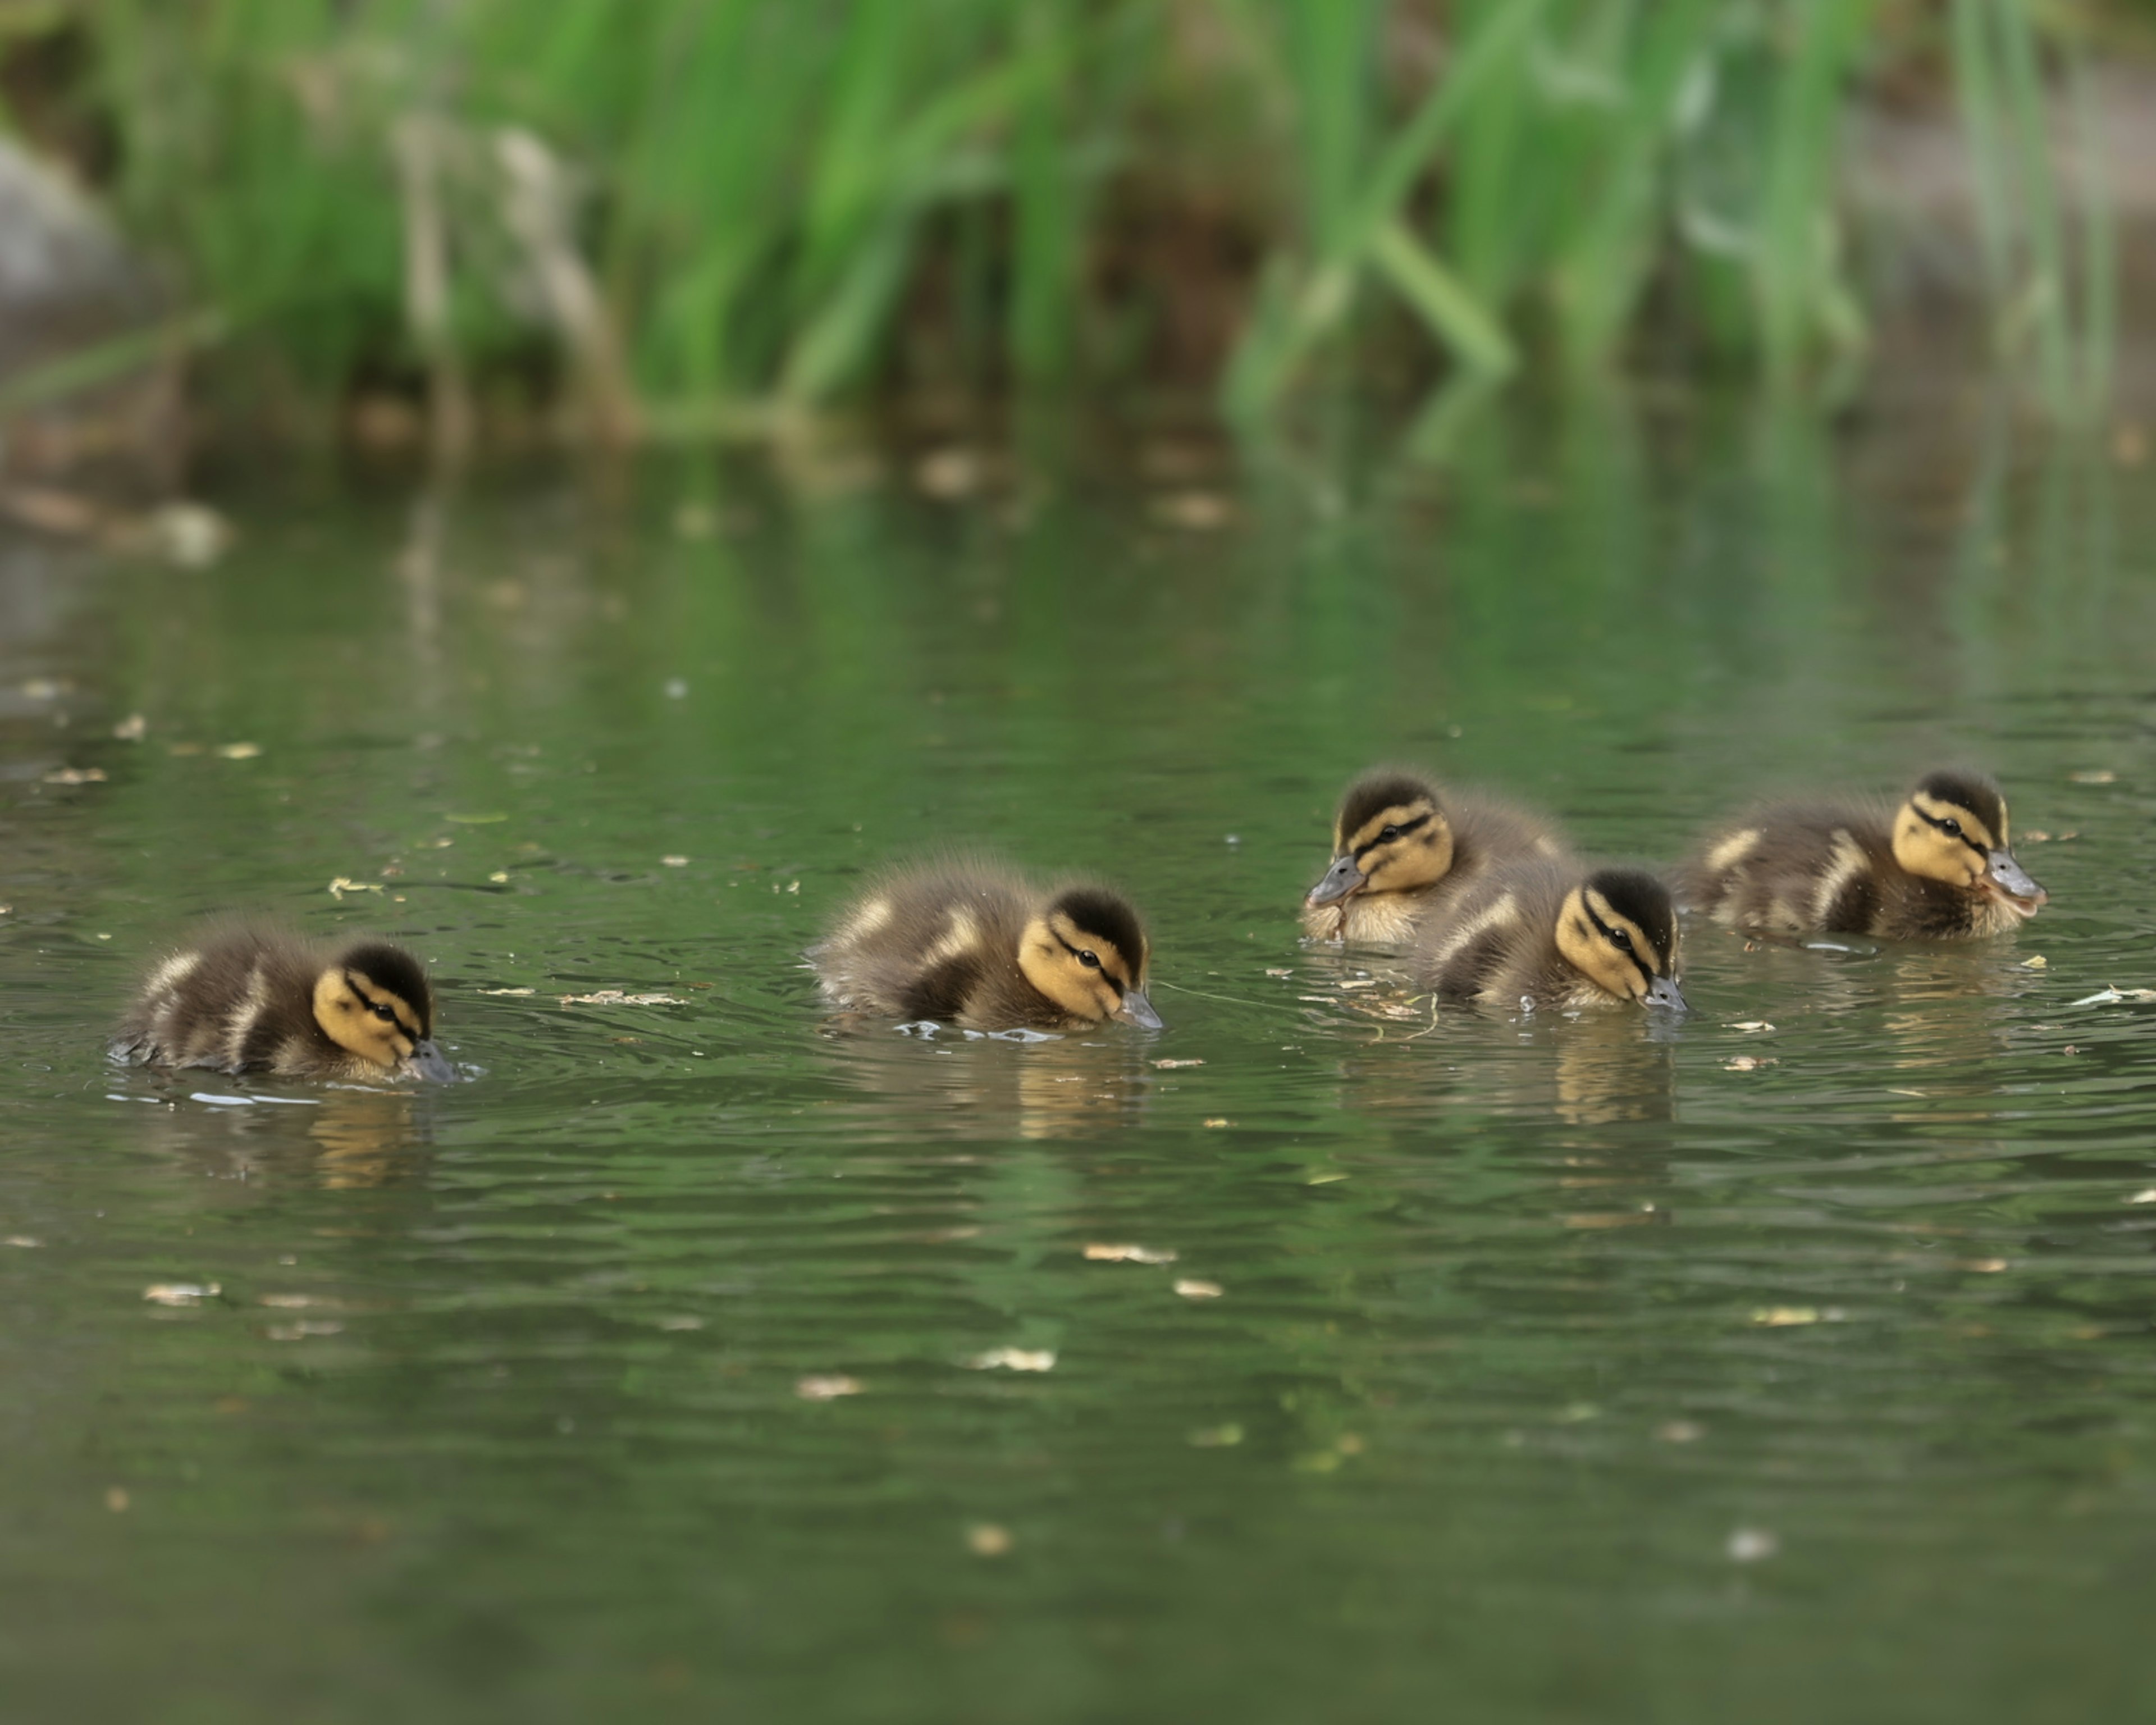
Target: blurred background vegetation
635, 218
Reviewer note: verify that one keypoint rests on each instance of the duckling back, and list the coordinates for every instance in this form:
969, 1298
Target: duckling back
228, 1004
938, 942
968, 942
1542, 933
1795, 868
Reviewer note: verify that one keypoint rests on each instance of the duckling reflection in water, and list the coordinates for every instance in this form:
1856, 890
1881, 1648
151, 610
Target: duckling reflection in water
349, 1136
1402, 853
1940, 867
984, 1087
250, 998
1542, 934
970, 943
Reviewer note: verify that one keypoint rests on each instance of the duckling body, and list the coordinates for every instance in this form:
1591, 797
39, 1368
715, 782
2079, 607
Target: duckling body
1403, 853
252, 998
1937, 867
1550, 935
972, 943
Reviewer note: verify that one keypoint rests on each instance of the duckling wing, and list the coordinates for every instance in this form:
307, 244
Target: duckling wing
229, 1003
1795, 868
924, 944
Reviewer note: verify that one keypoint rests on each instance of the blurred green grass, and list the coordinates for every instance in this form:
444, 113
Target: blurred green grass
671, 214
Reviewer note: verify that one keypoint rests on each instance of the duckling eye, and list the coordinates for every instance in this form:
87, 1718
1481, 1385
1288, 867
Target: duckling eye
1389, 833
1620, 940
1951, 827
1090, 961
382, 1012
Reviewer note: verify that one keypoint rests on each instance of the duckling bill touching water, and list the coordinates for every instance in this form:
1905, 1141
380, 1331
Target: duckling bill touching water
1401, 853
250, 998
969, 943
1545, 934
1939, 867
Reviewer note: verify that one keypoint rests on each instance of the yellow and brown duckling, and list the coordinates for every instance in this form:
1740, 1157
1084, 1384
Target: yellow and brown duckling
970, 943
250, 998
1940, 867
1547, 934
1401, 854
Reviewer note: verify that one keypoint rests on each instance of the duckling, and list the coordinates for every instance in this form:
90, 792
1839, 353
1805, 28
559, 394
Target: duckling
1939, 867
968, 942
1401, 854
1546, 934
254, 999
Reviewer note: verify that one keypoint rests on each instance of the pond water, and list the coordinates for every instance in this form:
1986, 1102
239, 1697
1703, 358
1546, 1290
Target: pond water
1793, 1361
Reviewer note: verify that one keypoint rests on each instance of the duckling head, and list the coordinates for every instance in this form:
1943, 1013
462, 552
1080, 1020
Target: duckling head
1619, 929
372, 1000
1086, 951
1391, 836
1954, 829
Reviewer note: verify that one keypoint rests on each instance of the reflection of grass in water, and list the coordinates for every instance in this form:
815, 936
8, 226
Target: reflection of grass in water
678, 205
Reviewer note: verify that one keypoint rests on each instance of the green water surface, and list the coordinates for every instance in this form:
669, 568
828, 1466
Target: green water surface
1791, 1362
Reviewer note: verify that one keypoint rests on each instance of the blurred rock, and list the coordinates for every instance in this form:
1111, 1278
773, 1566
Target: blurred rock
66, 283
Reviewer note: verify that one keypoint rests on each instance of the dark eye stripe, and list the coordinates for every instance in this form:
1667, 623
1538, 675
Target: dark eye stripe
1404, 829
1609, 934
396, 1006
1939, 825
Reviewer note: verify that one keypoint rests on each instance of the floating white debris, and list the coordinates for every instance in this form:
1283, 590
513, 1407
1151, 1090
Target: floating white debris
1680, 1431
1751, 1025
680, 1321
1014, 1359
1194, 512
1192, 1288
76, 775
614, 997
1127, 1255
301, 1331
985, 1539
132, 729
517, 991
674, 862
1751, 1545
344, 884
2147, 1196
180, 1293
239, 750
2097, 775
1779, 1317
215, 1100
1175, 1065
2114, 996
825, 1386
